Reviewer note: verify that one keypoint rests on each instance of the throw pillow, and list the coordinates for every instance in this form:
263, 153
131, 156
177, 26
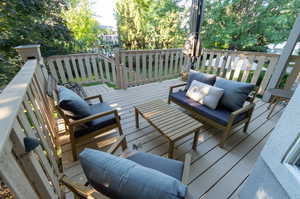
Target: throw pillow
122, 178
235, 93
72, 103
201, 77
205, 94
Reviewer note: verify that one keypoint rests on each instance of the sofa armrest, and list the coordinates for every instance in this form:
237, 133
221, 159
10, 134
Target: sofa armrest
117, 144
93, 117
79, 190
253, 94
94, 97
248, 108
176, 86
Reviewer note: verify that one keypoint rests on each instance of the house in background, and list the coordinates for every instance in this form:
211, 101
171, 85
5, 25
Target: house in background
278, 48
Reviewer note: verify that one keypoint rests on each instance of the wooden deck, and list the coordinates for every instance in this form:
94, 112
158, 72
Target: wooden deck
216, 173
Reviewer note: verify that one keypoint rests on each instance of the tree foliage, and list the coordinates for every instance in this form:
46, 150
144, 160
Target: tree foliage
248, 24
60, 26
30, 22
33, 22
149, 24
82, 24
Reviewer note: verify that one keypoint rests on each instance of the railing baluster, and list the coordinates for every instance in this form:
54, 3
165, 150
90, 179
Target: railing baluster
95, 68
88, 68
258, 69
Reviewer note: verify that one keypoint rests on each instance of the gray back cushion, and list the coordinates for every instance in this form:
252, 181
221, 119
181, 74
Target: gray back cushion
235, 93
122, 178
201, 77
76, 107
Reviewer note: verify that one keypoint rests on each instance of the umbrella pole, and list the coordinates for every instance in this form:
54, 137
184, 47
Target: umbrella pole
200, 10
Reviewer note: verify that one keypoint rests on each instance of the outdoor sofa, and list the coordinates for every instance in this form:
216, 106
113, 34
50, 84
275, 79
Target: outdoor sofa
231, 111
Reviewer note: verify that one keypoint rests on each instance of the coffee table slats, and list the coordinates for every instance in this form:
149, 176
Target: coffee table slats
175, 124
188, 128
169, 121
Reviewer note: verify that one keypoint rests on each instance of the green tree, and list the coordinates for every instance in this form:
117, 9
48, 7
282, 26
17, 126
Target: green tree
82, 24
149, 24
31, 22
35, 21
247, 24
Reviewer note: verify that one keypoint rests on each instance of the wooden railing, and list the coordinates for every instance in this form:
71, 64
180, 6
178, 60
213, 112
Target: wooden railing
135, 67
253, 67
142, 66
83, 68
25, 113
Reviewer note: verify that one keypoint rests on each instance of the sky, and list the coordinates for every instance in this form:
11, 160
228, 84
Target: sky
104, 11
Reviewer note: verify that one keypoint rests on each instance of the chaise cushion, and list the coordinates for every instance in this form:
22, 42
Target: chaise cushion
201, 77
220, 115
167, 166
73, 104
122, 178
97, 123
235, 93
205, 94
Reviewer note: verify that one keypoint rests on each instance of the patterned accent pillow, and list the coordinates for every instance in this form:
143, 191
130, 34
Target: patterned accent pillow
205, 94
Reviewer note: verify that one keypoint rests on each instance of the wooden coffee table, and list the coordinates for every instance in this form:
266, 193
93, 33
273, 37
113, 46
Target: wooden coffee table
169, 121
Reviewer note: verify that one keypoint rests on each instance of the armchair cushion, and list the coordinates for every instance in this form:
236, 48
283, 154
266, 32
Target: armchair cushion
235, 93
122, 178
75, 106
97, 123
201, 77
220, 114
167, 166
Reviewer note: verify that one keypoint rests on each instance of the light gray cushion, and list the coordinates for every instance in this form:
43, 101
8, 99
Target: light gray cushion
205, 94
235, 93
201, 77
74, 104
122, 178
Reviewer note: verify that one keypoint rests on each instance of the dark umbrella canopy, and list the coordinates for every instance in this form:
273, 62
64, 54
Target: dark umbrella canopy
193, 45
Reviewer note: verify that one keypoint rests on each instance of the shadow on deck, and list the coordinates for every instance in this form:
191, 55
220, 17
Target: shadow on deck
215, 172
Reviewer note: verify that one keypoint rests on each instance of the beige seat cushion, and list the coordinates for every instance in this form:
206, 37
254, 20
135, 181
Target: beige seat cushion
205, 94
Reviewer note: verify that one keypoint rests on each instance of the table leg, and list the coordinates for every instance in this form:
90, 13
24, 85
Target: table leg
273, 100
274, 105
136, 118
171, 149
196, 137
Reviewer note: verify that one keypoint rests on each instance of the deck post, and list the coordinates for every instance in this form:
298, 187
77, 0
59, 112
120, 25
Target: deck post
29, 52
284, 57
119, 71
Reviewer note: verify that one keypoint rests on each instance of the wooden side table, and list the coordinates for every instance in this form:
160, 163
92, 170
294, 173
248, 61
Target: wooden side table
278, 95
169, 122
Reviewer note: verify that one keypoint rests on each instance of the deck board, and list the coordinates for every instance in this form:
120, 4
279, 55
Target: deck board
215, 172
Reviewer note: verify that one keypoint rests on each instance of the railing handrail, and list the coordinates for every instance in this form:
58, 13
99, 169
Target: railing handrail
12, 97
80, 55
150, 50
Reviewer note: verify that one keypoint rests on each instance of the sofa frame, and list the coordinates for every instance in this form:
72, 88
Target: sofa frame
71, 124
247, 109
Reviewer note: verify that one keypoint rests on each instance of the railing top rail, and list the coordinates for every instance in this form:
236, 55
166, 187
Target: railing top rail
150, 50
249, 53
231, 52
11, 98
79, 55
